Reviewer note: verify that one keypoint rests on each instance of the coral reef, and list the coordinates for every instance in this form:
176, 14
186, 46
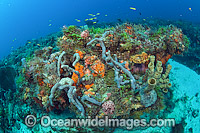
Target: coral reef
71, 74
119, 71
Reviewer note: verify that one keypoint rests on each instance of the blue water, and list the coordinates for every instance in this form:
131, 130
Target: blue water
24, 20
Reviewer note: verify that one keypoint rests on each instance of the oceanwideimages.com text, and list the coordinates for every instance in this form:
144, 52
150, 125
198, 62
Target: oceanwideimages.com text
47, 121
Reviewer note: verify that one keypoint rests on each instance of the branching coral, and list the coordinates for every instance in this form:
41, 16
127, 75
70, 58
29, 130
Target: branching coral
76, 55
73, 99
110, 61
61, 84
92, 100
119, 79
101, 43
59, 62
66, 83
71, 93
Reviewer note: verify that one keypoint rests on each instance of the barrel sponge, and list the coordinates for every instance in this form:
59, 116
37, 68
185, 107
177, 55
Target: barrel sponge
148, 99
139, 58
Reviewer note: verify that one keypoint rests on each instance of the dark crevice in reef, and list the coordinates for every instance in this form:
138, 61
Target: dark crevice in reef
190, 58
7, 78
179, 128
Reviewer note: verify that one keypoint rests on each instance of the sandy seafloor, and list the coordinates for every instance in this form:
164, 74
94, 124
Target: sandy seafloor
186, 89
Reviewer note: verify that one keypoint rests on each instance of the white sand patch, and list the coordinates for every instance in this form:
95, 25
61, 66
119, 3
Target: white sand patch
186, 80
186, 91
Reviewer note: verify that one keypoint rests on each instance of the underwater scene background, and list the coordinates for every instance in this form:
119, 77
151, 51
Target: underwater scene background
134, 64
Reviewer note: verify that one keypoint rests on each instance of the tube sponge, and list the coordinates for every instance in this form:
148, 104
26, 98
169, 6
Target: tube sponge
151, 69
92, 100
59, 63
76, 55
152, 58
151, 84
165, 90
169, 67
159, 64
157, 75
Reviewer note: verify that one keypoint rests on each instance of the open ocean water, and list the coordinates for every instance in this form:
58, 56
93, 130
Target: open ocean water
100, 66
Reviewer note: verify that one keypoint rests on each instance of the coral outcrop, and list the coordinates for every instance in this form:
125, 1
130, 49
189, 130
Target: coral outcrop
121, 69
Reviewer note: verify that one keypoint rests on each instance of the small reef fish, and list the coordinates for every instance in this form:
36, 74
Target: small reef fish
38, 44
98, 14
132, 8
95, 18
50, 24
29, 42
190, 9
14, 39
106, 15
86, 19
120, 20
94, 22
78, 20
91, 15
91, 18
